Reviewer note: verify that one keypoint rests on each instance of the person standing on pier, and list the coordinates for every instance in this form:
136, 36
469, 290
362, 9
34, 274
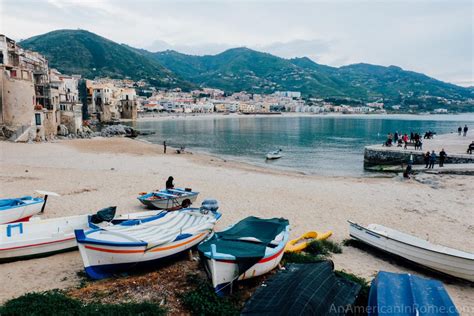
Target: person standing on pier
432, 160
459, 130
465, 130
426, 157
442, 157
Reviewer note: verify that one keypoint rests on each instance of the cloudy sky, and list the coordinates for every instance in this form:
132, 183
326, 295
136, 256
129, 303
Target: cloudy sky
430, 36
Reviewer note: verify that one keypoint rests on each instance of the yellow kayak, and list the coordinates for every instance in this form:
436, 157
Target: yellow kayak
300, 243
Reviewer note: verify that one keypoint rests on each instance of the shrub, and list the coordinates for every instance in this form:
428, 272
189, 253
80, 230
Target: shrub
204, 301
56, 303
323, 247
300, 257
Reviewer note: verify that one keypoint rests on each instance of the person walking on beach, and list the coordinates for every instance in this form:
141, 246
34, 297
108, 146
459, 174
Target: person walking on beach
442, 157
164, 147
432, 160
459, 130
426, 158
395, 137
465, 130
169, 183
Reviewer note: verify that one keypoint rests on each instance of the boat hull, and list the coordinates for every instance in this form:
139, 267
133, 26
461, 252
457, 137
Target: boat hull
44, 237
456, 266
21, 212
102, 261
169, 203
224, 272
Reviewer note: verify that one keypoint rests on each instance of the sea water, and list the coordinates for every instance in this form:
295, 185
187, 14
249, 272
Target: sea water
312, 144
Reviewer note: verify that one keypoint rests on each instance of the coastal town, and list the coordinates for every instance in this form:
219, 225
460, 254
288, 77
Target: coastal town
148, 178
38, 102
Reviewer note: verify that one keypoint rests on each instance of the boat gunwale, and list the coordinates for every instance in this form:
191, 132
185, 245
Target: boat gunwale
412, 245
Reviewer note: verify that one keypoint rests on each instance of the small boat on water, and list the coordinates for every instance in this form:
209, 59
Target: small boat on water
43, 237
274, 155
450, 261
137, 242
169, 199
250, 248
300, 243
408, 295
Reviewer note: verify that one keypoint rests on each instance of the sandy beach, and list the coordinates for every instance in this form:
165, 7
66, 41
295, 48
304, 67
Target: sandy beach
96, 173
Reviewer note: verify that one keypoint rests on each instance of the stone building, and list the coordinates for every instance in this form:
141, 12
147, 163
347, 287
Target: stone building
34, 99
108, 102
17, 90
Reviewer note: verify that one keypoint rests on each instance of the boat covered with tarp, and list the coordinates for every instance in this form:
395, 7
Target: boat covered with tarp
249, 248
138, 242
304, 289
408, 295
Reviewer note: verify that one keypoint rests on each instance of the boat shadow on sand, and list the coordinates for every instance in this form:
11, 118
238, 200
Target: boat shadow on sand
406, 264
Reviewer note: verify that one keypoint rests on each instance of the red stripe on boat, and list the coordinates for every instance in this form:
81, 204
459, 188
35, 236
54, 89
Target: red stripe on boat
34, 245
261, 261
24, 219
113, 250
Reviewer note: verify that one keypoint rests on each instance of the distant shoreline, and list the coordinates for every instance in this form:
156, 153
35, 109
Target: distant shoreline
197, 116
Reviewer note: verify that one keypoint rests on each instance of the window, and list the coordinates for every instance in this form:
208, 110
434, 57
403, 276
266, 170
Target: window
38, 119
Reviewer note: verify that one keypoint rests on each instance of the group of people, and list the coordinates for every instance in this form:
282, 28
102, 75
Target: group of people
463, 130
430, 158
400, 139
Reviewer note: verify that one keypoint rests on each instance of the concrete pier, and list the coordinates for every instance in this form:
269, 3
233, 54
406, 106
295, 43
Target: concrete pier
379, 157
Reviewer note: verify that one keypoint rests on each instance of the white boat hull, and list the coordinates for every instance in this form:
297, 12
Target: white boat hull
174, 203
223, 272
43, 237
20, 213
454, 263
39, 237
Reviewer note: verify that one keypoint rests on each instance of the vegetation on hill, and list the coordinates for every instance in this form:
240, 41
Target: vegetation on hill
243, 69
90, 55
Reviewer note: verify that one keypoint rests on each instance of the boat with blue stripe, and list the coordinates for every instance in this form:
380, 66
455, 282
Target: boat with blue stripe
169, 199
109, 250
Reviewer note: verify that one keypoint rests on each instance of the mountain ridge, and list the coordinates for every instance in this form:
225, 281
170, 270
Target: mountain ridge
240, 69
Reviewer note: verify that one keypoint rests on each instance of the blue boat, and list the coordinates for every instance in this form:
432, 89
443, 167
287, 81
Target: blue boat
19, 209
169, 199
408, 295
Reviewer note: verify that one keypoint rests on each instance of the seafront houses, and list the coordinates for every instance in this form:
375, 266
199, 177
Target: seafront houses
108, 102
28, 101
36, 102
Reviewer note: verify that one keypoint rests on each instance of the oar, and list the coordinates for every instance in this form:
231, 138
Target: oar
46, 194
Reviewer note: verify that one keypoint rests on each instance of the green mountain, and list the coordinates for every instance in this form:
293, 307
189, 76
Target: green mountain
245, 69
85, 53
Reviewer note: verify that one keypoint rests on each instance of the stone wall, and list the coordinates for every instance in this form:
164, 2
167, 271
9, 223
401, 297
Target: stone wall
17, 106
375, 156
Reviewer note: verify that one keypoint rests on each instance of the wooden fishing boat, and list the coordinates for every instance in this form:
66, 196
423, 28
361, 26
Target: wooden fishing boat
410, 295
274, 155
43, 237
119, 248
21, 209
300, 243
250, 248
436, 257
169, 199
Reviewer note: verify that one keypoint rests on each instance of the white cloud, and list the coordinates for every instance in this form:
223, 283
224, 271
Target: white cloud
434, 37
